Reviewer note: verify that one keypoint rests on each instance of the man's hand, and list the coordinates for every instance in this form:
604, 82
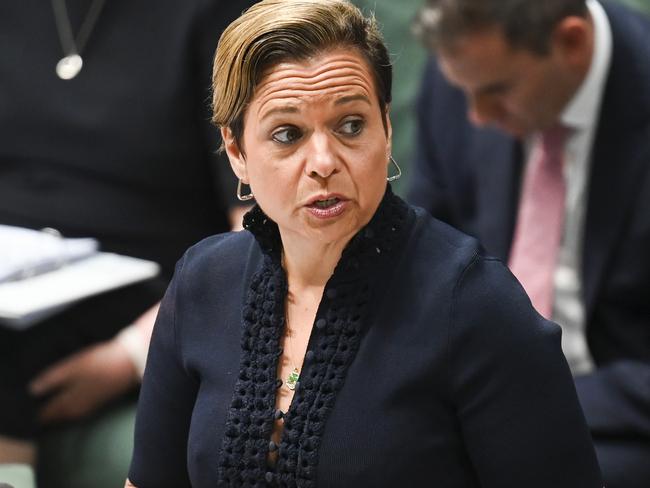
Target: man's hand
85, 381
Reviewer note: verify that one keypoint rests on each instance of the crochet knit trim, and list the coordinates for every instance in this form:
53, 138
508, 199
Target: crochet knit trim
339, 324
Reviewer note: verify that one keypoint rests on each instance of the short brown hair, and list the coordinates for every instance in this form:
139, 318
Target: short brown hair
275, 31
525, 23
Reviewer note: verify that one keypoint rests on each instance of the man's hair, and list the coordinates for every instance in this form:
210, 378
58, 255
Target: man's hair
276, 31
525, 24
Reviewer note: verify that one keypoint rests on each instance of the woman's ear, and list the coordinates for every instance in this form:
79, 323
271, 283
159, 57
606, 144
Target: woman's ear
235, 155
389, 133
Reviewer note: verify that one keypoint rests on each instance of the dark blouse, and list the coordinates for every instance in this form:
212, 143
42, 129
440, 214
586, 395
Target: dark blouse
427, 366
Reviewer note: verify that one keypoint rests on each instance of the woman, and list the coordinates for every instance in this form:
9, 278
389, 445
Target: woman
346, 339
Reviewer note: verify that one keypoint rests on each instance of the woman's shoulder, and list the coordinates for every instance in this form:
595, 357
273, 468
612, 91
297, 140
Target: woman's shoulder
475, 273
487, 304
480, 287
489, 314
441, 246
228, 245
222, 255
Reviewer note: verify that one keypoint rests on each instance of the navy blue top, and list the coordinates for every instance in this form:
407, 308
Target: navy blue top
427, 366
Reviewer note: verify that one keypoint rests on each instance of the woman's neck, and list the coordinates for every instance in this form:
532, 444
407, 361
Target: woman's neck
310, 265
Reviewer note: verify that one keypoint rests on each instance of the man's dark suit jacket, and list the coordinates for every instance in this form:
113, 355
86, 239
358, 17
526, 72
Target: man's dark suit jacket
470, 178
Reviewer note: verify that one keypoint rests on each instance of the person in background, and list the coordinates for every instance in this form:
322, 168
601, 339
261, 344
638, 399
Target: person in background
105, 133
533, 136
344, 339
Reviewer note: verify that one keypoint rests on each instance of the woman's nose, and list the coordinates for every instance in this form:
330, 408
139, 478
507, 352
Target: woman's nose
321, 159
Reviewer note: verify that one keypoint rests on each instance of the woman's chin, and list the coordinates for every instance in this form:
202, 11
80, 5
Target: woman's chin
328, 230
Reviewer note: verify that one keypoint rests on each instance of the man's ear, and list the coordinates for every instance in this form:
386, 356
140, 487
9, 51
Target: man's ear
573, 36
235, 155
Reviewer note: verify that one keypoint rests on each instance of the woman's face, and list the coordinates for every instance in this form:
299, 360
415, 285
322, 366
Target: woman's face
316, 150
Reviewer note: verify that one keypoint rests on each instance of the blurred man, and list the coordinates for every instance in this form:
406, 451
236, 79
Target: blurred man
534, 136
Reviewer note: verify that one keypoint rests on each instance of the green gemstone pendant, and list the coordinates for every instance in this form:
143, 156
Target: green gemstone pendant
292, 379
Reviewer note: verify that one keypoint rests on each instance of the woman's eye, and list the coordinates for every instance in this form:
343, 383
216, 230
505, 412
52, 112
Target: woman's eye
287, 135
352, 127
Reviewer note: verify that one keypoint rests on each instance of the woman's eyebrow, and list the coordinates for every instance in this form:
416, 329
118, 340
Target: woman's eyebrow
283, 109
352, 98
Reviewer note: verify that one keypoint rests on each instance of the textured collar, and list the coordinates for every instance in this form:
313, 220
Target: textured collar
341, 319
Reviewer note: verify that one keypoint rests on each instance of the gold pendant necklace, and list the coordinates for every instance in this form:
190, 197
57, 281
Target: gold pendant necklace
70, 65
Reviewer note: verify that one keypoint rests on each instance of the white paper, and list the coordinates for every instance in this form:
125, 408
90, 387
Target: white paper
25, 252
27, 301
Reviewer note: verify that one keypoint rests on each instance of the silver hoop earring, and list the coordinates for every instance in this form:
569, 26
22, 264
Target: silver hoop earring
240, 197
397, 175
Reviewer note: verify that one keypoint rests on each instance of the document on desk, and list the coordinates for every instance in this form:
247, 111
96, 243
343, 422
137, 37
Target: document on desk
41, 275
26, 302
27, 252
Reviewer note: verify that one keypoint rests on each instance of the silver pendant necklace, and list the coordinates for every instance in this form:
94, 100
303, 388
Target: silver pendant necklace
70, 65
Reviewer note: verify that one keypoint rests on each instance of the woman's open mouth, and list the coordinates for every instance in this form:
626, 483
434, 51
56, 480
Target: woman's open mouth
326, 203
327, 207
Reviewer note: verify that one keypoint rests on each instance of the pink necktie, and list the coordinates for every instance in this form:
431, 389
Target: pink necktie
540, 220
